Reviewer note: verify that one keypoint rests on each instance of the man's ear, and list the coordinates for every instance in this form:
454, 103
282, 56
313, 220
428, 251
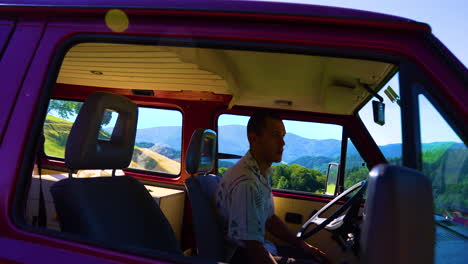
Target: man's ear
252, 137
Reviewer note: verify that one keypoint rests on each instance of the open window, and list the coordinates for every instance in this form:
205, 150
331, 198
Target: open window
356, 167
309, 149
157, 145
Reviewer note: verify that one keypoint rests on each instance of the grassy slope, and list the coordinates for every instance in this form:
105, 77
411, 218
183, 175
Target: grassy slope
56, 132
164, 164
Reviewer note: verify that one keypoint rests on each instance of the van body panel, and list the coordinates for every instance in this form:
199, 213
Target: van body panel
29, 55
6, 28
203, 5
17, 56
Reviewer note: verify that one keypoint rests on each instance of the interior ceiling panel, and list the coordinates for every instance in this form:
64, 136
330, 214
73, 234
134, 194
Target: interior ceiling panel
276, 80
135, 67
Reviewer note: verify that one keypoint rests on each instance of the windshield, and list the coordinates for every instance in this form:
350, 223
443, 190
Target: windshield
444, 156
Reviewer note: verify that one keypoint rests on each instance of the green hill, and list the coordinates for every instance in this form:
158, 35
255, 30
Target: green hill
56, 131
319, 163
147, 159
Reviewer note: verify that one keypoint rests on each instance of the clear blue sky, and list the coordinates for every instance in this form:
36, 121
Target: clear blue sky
447, 18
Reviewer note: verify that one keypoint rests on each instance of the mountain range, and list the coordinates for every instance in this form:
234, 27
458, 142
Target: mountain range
232, 140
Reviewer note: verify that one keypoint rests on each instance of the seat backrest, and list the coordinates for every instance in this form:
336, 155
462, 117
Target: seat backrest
200, 186
398, 222
117, 211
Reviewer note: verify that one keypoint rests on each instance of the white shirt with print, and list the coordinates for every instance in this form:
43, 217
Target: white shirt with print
244, 199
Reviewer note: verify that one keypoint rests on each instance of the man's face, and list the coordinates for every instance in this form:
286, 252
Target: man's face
269, 144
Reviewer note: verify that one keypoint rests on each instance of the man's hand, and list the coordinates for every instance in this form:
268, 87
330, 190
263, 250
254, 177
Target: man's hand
279, 229
314, 252
257, 253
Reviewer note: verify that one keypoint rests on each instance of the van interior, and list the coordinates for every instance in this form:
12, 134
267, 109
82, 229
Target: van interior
139, 134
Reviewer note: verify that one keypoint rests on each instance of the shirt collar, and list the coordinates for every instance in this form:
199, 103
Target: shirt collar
253, 165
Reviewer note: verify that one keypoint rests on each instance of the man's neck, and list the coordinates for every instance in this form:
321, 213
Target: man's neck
263, 165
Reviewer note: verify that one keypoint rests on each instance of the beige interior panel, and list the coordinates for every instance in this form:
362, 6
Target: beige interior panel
137, 67
262, 79
322, 239
171, 201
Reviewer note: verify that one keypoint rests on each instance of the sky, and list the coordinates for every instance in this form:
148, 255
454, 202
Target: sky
447, 18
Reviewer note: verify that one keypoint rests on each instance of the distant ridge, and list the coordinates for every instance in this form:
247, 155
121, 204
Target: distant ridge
233, 140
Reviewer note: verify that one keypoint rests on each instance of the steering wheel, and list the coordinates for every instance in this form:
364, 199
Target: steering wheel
335, 220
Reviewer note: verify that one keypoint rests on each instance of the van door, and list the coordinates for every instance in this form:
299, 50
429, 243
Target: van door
18, 43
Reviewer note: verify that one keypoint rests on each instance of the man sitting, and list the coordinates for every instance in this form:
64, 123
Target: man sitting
244, 199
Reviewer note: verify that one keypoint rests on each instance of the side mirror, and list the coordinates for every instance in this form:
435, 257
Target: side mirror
332, 178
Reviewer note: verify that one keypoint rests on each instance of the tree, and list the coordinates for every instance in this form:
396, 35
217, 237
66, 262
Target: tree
221, 171
282, 183
298, 178
281, 170
304, 179
66, 109
355, 175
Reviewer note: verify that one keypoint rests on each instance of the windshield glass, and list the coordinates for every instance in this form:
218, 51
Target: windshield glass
444, 156
388, 135
445, 162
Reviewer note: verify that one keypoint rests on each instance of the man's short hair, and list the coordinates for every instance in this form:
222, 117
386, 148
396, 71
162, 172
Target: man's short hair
258, 119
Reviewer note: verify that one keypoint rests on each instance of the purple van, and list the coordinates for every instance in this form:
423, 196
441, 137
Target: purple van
118, 118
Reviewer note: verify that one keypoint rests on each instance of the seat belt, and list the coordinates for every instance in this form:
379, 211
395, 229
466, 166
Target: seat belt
41, 218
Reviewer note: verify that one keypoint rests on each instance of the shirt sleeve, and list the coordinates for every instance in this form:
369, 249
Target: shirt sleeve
272, 206
244, 215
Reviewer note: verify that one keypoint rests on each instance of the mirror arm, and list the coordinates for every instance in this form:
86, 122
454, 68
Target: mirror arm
375, 94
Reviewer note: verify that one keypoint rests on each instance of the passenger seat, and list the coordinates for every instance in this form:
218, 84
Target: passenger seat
115, 211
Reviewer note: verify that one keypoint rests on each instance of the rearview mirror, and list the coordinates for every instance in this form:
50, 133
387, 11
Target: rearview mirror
379, 112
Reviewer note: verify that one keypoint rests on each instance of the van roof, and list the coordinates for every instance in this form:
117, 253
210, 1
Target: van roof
203, 5
337, 85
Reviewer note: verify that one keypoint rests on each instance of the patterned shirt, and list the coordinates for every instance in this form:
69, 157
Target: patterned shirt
245, 201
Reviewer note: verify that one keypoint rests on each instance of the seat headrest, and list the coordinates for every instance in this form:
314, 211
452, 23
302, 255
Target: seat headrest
201, 153
85, 150
398, 225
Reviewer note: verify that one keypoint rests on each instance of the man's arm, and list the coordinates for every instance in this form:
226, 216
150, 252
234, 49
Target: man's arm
275, 226
256, 253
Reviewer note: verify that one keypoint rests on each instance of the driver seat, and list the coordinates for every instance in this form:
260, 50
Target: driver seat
398, 221
200, 159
